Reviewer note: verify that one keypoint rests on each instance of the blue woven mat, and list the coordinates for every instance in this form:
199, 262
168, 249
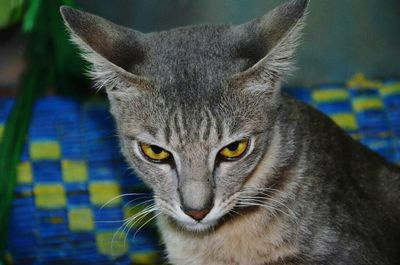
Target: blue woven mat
71, 166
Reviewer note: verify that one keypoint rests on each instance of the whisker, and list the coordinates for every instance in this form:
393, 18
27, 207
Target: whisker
232, 212
266, 199
123, 220
267, 191
265, 205
138, 218
268, 195
113, 238
137, 204
120, 196
142, 213
128, 221
148, 221
131, 224
291, 214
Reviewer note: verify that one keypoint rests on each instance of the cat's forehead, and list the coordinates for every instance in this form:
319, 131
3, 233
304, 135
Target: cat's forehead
195, 56
191, 99
207, 121
202, 40
192, 127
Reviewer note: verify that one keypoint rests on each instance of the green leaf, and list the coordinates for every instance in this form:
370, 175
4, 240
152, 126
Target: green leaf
31, 14
10, 12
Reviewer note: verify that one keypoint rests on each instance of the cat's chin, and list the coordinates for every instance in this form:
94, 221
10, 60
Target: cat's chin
193, 226
198, 227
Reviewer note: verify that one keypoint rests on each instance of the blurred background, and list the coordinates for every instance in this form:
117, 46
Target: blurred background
66, 193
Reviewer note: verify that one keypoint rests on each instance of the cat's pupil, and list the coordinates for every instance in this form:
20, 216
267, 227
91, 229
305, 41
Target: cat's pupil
157, 150
233, 146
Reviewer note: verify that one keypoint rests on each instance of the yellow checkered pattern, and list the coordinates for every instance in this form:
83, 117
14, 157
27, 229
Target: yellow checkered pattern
112, 243
329, 95
71, 205
346, 120
50, 196
390, 89
45, 150
105, 193
363, 104
145, 258
24, 173
74, 171
81, 219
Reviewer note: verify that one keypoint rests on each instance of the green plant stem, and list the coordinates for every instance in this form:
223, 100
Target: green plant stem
13, 141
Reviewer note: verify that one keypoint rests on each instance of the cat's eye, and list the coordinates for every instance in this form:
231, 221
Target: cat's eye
154, 152
234, 150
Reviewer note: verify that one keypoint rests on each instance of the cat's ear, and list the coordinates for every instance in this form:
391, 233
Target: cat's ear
269, 44
113, 50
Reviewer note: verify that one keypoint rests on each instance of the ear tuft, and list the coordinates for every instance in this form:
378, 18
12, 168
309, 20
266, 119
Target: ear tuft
112, 50
270, 43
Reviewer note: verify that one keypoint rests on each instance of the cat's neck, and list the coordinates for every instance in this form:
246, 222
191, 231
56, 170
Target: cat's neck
227, 242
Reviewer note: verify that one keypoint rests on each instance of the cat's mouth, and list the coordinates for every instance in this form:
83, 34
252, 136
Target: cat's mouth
217, 215
190, 224
176, 216
223, 210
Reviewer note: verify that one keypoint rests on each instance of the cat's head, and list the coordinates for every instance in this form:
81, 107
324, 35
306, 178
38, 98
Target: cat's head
195, 106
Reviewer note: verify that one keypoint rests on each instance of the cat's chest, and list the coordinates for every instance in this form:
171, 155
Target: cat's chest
245, 242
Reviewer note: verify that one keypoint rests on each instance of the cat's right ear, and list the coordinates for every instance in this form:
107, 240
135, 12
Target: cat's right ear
269, 44
113, 50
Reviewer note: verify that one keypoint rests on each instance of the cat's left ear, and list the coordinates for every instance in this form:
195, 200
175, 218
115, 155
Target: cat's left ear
112, 50
269, 44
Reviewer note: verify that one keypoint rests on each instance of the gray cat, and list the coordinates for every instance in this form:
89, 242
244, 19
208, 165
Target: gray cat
241, 173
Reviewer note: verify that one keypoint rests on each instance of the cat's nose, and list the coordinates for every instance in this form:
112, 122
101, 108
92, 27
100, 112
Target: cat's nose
198, 215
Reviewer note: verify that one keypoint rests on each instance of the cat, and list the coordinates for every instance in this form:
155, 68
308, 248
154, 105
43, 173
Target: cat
241, 173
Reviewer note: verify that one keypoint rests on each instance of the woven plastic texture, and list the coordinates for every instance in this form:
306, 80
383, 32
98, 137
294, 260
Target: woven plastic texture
71, 166
6, 105
70, 169
368, 111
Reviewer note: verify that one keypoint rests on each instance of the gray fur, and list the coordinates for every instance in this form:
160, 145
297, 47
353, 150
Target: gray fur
304, 192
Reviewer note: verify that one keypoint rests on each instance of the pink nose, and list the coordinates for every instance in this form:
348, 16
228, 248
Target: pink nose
198, 215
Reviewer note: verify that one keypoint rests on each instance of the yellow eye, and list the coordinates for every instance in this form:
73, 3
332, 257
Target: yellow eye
234, 150
154, 152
